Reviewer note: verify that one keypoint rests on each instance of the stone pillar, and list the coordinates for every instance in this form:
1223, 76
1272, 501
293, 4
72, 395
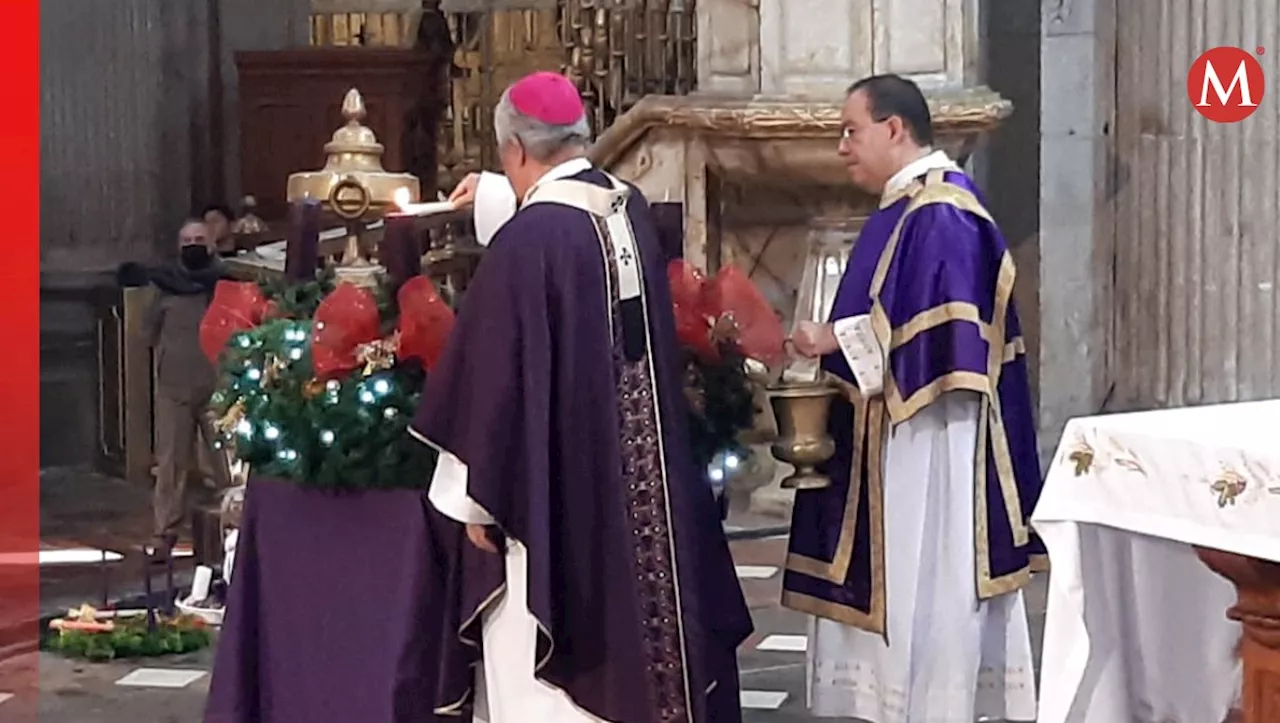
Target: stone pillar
1011, 67
1077, 117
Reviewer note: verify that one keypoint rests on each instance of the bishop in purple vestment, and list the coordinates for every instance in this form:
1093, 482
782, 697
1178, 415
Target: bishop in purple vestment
913, 561
599, 585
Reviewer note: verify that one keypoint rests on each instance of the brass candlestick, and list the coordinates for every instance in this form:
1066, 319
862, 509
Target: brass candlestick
801, 410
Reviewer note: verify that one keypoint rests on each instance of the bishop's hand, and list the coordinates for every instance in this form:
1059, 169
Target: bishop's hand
479, 536
812, 340
464, 195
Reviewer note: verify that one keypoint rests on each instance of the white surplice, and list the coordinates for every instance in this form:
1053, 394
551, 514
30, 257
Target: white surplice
507, 691
952, 658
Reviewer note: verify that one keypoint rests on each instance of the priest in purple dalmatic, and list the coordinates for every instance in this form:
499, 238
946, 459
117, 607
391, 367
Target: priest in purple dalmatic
598, 586
912, 563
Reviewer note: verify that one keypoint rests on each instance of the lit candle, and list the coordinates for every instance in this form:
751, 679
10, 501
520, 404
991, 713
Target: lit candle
399, 251
406, 205
303, 249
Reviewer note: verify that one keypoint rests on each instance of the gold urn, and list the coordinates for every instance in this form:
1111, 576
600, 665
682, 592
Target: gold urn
355, 187
801, 410
353, 184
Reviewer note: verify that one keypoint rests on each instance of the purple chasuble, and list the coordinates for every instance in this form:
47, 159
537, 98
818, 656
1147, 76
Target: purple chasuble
583, 455
936, 276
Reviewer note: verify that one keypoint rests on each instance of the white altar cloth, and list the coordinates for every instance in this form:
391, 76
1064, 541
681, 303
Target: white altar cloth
1136, 629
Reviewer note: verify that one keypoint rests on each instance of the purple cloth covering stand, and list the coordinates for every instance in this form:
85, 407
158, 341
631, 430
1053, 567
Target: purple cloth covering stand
335, 611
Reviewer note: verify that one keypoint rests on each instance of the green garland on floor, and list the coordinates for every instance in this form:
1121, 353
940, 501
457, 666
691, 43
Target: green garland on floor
132, 639
351, 433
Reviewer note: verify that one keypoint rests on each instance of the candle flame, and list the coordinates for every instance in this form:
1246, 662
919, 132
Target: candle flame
402, 198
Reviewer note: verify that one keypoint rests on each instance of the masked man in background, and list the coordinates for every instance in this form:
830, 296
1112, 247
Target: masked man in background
184, 377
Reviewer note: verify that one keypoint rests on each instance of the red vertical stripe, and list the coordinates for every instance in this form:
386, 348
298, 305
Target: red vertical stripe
20, 342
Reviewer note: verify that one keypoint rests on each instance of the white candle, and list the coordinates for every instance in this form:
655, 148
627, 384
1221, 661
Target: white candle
200, 586
229, 554
409, 208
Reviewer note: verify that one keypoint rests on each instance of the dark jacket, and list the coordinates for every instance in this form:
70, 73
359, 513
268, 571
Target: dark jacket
172, 329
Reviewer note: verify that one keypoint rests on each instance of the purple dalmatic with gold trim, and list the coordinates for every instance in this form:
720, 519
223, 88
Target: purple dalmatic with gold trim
934, 275
560, 392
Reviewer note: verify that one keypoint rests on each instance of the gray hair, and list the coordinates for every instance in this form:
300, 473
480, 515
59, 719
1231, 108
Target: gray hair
542, 141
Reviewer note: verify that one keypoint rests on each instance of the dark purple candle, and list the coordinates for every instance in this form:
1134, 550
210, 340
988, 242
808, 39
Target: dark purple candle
399, 251
303, 249
668, 216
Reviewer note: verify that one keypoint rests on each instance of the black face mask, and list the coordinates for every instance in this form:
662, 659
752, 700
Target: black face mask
195, 258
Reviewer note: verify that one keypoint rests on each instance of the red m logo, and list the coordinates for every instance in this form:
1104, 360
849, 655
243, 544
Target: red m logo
1229, 102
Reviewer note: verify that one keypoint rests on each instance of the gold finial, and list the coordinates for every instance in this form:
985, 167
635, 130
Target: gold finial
353, 107
355, 137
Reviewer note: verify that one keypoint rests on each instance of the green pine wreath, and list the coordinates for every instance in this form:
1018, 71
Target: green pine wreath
351, 433
131, 638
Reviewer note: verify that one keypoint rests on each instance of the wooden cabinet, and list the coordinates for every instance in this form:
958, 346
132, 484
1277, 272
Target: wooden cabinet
290, 105
126, 435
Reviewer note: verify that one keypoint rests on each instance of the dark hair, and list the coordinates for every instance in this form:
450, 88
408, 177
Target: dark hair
220, 208
893, 95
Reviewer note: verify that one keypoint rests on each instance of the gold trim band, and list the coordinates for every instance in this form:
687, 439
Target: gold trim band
868, 441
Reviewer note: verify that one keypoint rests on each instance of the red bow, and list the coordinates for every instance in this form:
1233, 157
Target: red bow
693, 320
237, 306
735, 300
727, 308
346, 319
425, 321
348, 330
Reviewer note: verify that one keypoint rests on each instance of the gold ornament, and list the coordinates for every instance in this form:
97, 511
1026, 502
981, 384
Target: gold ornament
313, 389
275, 365
229, 421
725, 329
1082, 458
1228, 487
378, 355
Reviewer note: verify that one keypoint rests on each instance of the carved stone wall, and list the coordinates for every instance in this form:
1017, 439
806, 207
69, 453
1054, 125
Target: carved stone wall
815, 48
1158, 227
1197, 208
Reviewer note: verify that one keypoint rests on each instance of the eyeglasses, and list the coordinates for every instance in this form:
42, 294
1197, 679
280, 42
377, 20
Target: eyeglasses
847, 133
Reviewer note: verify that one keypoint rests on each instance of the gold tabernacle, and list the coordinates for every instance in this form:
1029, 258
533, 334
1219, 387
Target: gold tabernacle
802, 410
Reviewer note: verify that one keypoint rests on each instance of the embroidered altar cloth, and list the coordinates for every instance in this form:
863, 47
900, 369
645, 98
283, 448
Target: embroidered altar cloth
1136, 626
